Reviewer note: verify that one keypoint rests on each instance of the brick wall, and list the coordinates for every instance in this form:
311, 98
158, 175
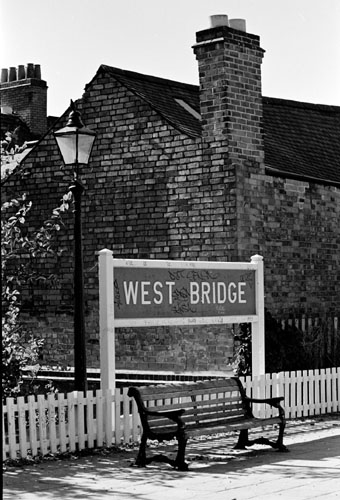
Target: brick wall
301, 241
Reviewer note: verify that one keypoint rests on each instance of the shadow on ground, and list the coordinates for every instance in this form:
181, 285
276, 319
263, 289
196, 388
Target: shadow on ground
95, 476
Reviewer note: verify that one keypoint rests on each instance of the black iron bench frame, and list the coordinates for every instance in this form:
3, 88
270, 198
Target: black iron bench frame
200, 408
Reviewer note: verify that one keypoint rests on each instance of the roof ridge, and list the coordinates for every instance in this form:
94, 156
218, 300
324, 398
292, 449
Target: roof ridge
143, 76
166, 81
298, 104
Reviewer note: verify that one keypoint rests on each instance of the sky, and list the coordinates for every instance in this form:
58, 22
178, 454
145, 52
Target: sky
70, 39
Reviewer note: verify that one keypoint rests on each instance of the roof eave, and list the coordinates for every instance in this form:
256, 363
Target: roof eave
282, 173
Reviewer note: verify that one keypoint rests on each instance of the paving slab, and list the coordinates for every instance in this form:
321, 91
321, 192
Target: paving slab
311, 470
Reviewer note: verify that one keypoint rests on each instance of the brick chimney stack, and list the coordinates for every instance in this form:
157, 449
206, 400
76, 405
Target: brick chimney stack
229, 63
23, 90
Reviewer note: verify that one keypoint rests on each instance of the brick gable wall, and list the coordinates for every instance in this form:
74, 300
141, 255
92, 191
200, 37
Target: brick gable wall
147, 195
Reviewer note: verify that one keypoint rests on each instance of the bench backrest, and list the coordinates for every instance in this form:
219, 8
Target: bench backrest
206, 402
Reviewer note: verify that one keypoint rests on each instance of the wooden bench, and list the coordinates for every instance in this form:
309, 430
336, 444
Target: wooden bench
199, 408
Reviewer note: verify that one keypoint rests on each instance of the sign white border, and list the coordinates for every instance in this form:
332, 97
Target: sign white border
108, 323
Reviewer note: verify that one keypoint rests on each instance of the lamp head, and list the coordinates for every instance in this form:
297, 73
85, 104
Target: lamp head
75, 141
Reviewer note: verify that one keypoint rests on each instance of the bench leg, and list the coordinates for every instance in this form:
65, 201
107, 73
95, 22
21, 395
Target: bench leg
279, 442
180, 463
243, 440
141, 457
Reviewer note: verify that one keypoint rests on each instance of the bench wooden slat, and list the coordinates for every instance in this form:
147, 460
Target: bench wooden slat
177, 390
187, 386
217, 411
231, 426
175, 405
215, 405
192, 416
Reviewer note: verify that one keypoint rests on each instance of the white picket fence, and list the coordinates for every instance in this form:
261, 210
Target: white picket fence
37, 426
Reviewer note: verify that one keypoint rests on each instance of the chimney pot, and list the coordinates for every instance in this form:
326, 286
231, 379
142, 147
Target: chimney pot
30, 70
12, 74
219, 20
238, 24
37, 71
4, 75
21, 72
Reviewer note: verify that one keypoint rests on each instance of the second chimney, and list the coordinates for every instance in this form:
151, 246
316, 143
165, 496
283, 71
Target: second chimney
229, 63
25, 92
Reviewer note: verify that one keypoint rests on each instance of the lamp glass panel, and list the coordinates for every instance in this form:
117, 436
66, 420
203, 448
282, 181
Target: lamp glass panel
67, 146
85, 143
68, 143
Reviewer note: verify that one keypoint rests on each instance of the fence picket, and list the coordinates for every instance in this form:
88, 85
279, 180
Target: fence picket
42, 428
52, 423
246, 381
328, 390
32, 418
22, 426
335, 390
62, 423
290, 406
311, 393
299, 384
287, 393
108, 417
118, 423
71, 427
317, 389
126, 416
99, 418
11, 428
305, 393
89, 419
80, 420
268, 410
323, 381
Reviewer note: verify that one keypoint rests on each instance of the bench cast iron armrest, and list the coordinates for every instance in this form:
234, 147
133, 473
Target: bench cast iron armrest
270, 401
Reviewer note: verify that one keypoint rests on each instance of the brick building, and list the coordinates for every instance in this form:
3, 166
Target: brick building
178, 171
24, 95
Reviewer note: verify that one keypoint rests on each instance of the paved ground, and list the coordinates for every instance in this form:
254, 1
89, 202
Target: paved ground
311, 470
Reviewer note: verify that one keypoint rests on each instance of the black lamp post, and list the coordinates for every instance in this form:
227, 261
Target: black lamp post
75, 143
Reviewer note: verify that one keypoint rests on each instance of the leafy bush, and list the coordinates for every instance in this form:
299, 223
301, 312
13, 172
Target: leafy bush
20, 350
284, 349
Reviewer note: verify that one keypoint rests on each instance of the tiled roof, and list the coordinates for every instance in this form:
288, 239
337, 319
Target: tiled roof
300, 139
161, 95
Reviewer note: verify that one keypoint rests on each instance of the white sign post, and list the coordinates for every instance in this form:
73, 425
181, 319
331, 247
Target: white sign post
106, 322
140, 293
257, 327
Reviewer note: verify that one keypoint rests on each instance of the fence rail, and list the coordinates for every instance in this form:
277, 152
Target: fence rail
42, 425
